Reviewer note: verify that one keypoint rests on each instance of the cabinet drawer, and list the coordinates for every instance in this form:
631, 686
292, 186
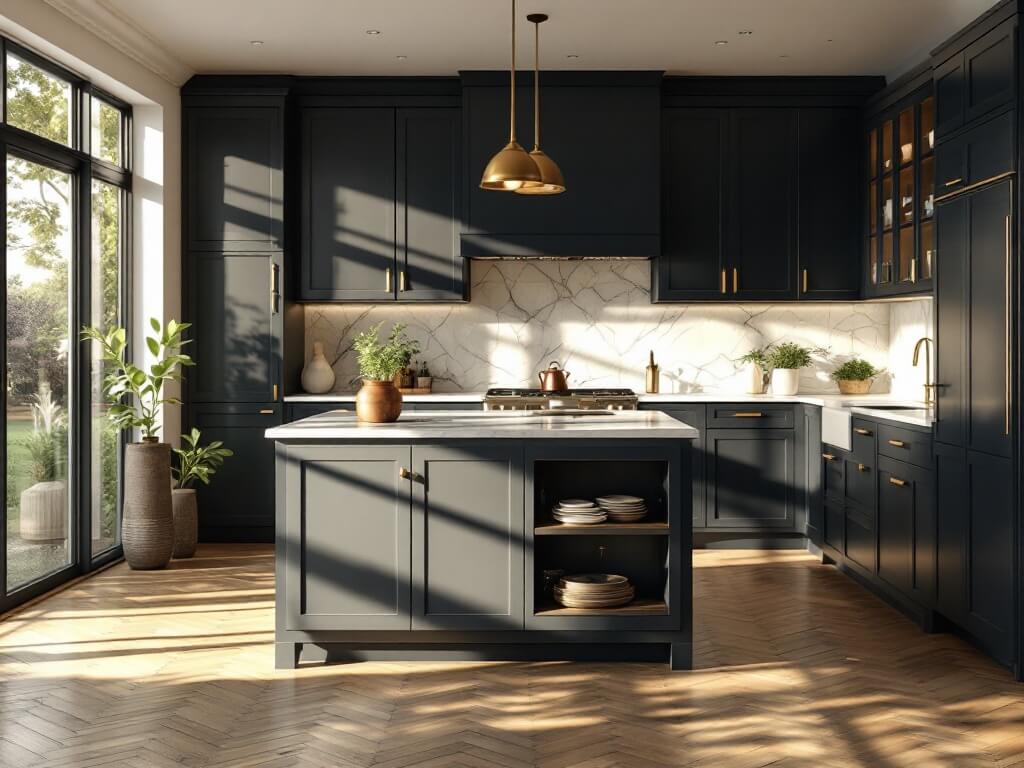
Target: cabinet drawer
834, 472
975, 156
860, 538
860, 483
863, 440
905, 445
750, 416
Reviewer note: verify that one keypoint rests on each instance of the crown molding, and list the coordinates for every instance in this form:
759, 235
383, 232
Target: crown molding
126, 36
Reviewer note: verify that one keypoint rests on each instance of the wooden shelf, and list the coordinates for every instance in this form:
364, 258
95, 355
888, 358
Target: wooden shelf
642, 606
602, 529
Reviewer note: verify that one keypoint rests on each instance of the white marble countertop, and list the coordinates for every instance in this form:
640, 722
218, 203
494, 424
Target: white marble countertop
920, 415
487, 425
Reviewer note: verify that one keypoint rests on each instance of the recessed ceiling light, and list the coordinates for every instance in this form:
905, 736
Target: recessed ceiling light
401, 57
256, 43
573, 56
783, 55
829, 40
721, 42
373, 31
745, 32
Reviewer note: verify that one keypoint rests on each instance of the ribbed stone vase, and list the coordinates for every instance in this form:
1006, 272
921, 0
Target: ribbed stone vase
148, 529
186, 521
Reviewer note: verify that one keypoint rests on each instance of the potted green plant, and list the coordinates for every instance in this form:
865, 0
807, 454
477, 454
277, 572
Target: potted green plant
195, 462
378, 400
136, 396
854, 377
786, 360
755, 370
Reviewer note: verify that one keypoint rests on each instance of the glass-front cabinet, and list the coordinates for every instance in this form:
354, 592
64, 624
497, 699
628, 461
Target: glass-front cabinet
899, 237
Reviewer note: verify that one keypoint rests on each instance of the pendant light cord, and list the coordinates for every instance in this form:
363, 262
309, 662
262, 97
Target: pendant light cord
536, 85
512, 79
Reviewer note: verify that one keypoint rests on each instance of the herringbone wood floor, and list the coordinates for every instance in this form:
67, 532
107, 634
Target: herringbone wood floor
796, 666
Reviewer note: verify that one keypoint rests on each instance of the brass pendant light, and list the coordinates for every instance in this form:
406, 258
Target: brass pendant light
512, 168
552, 182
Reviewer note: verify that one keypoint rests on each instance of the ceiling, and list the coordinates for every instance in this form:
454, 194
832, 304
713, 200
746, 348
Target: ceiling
440, 37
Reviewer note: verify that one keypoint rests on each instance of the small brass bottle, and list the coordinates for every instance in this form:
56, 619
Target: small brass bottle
653, 375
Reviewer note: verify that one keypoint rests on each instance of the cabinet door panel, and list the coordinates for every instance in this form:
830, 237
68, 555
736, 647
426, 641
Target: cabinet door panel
751, 478
952, 515
861, 537
835, 526
695, 416
830, 223
348, 535
989, 71
236, 332
468, 538
238, 505
429, 161
987, 365
906, 529
951, 274
762, 227
693, 184
234, 193
348, 204
949, 95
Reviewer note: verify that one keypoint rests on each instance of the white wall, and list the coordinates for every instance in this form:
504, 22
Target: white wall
157, 172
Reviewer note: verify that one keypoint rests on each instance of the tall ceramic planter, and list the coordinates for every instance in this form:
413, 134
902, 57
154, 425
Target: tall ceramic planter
318, 376
753, 379
785, 381
186, 521
148, 529
378, 402
44, 511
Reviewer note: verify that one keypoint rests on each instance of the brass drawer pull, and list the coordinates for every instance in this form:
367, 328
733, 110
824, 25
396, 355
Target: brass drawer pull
401, 280
724, 289
274, 391
1009, 352
897, 481
862, 431
748, 414
387, 279
863, 468
897, 443
266, 411
953, 182
805, 281
828, 456
735, 280
404, 473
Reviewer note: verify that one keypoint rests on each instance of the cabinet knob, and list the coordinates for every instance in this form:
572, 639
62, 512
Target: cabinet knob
863, 468
404, 473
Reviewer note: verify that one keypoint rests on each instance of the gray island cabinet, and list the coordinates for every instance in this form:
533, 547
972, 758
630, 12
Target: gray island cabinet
433, 536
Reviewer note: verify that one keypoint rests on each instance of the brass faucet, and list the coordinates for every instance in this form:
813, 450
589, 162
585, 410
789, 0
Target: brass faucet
929, 385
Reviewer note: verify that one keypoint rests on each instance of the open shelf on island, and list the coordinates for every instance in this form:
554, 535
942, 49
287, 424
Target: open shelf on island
639, 607
602, 529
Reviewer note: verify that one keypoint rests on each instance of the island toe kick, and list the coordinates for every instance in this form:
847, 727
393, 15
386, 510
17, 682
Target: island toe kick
449, 548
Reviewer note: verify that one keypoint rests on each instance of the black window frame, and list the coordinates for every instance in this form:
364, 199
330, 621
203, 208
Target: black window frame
77, 160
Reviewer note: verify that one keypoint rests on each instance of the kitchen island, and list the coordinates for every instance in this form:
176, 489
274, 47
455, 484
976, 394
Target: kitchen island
433, 537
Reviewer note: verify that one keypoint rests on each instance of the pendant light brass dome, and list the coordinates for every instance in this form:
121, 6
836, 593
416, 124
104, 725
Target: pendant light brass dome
512, 168
552, 182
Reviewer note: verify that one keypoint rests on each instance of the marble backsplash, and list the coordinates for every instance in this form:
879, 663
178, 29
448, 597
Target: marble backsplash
596, 319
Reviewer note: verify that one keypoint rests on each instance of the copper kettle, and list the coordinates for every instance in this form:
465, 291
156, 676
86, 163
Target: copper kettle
553, 379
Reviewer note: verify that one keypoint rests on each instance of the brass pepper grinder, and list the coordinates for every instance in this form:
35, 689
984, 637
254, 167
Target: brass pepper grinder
653, 375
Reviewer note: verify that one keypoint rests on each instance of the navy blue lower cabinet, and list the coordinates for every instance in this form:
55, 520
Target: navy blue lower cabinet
907, 529
751, 478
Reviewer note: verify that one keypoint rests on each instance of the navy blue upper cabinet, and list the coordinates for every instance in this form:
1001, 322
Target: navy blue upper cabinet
976, 80
233, 149
603, 130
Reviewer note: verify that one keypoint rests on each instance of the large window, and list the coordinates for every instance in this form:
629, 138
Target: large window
65, 204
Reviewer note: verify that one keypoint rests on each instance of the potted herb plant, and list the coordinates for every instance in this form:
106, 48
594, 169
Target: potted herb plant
195, 462
755, 371
786, 360
136, 396
854, 377
378, 400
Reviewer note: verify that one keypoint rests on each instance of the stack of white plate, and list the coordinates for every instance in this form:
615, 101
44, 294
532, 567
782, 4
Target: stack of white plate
594, 590
578, 512
623, 509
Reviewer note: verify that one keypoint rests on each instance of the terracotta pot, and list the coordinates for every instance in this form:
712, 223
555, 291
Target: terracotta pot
854, 386
186, 521
148, 529
378, 402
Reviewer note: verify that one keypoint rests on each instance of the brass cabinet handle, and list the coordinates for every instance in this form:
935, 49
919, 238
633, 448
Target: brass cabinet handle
897, 481
724, 290
897, 443
828, 456
266, 411
748, 414
401, 280
275, 295
862, 468
805, 281
404, 473
387, 279
862, 431
1006, 369
735, 280
913, 269
953, 182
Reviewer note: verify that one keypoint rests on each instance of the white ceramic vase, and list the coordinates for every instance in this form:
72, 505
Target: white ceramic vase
785, 381
753, 379
318, 376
